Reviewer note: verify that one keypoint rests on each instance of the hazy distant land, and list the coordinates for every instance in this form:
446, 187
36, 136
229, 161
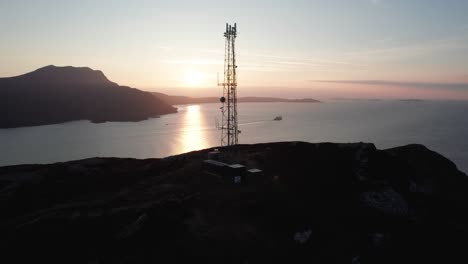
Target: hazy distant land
376, 99
179, 100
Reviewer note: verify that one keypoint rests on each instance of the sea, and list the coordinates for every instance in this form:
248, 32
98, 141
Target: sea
441, 126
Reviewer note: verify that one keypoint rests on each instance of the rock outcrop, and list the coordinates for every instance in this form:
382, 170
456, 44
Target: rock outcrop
320, 203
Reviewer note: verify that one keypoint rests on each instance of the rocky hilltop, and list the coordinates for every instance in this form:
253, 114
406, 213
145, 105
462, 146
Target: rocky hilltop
53, 95
312, 203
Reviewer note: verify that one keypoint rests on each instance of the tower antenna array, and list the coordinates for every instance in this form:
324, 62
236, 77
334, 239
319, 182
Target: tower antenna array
229, 128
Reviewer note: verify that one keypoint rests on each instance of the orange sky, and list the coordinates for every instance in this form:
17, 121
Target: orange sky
411, 48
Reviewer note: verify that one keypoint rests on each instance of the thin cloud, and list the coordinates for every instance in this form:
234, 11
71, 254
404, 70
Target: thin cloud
299, 60
430, 85
194, 62
269, 66
294, 63
409, 50
261, 58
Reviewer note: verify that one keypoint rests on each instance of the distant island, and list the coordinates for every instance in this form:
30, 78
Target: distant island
356, 99
412, 100
375, 99
53, 95
180, 100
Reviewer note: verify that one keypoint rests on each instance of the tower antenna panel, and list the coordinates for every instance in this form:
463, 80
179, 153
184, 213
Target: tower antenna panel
229, 125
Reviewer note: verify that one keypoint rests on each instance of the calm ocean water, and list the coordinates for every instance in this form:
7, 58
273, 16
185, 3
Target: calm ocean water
441, 126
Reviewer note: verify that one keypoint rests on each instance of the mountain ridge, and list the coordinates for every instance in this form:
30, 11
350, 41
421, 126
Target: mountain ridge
52, 94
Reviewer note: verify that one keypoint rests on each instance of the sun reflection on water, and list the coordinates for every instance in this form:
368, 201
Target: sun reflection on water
193, 136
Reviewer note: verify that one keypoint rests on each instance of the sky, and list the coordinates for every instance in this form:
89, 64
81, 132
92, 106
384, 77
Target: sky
295, 48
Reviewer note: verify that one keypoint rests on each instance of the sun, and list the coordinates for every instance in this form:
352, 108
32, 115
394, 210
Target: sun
193, 78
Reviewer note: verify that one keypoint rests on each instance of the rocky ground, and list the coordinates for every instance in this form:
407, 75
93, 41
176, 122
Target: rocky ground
315, 203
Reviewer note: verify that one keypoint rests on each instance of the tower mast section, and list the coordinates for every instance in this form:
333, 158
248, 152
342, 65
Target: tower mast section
229, 124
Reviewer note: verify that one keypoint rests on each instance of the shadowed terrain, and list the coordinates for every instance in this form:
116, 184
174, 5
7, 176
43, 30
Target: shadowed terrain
321, 203
53, 95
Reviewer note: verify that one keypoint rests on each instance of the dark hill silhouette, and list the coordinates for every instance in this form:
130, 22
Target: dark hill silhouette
314, 203
53, 95
178, 100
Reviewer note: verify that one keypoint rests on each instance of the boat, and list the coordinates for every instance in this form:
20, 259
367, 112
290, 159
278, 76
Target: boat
278, 118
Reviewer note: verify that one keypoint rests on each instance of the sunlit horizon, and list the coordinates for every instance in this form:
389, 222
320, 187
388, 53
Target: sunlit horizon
315, 49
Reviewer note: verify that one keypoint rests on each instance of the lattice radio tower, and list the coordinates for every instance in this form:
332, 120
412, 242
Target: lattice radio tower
229, 129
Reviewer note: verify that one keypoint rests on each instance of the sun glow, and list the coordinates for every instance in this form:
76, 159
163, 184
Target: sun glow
193, 78
193, 135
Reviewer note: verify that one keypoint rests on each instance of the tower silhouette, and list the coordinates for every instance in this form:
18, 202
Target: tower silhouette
229, 127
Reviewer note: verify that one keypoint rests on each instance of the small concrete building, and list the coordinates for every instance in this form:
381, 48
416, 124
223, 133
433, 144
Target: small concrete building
214, 166
214, 155
254, 172
254, 176
237, 173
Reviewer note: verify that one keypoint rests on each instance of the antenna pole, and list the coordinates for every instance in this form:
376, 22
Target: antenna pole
229, 125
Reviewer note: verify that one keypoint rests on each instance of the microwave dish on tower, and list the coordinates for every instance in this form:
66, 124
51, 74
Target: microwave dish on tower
229, 127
